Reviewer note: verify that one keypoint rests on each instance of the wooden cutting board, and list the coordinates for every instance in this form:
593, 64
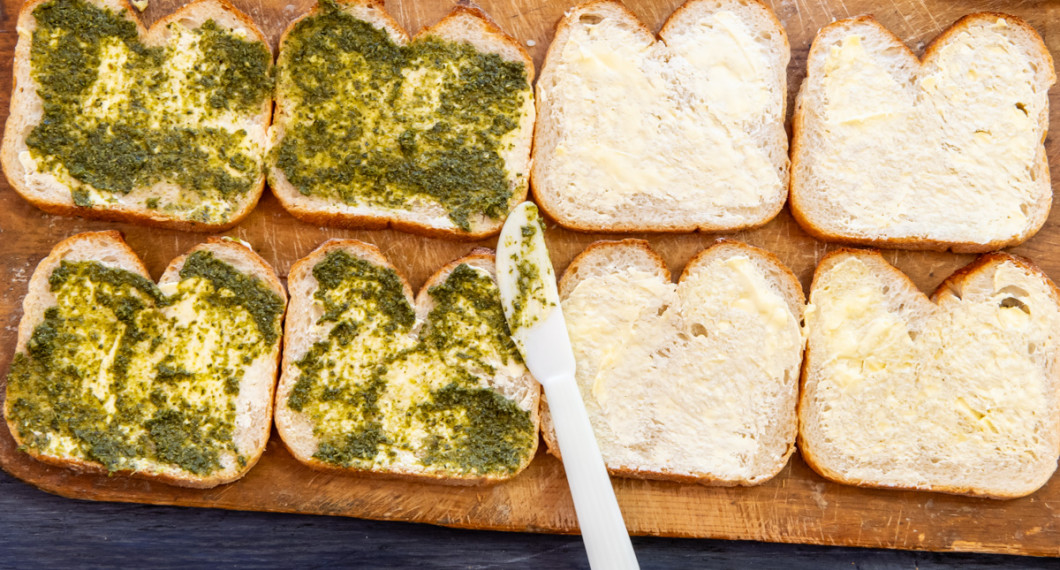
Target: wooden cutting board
796, 506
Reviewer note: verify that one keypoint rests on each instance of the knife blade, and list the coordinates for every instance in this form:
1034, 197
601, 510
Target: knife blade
530, 298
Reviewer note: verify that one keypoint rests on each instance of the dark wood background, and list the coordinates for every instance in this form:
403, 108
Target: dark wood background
39, 529
43, 531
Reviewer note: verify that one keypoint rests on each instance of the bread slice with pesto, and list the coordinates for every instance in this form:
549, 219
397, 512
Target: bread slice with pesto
163, 127
171, 382
695, 381
676, 134
429, 135
957, 393
376, 382
944, 152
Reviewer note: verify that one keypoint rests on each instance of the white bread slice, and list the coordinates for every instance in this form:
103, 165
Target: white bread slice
421, 214
250, 406
943, 153
693, 382
164, 203
416, 372
958, 394
679, 134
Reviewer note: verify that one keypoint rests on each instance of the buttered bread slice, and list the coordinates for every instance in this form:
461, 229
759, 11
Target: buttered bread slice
163, 126
171, 382
695, 381
958, 394
940, 153
429, 135
376, 382
676, 134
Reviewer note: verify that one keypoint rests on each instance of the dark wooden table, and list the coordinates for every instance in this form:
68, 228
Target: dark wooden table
39, 530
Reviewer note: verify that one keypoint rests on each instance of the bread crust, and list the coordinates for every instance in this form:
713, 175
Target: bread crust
952, 285
548, 199
793, 295
22, 81
803, 213
301, 270
112, 241
316, 210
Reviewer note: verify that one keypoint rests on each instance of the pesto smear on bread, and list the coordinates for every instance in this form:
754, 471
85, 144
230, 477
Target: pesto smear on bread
380, 388
119, 114
126, 374
371, 122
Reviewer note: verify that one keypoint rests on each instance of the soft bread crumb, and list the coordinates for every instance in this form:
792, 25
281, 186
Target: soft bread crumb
661, 366
959, 395
971, 117
715, 80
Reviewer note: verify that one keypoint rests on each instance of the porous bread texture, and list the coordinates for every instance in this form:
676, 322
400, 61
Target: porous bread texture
51, 195
943, 153
301, 332
693, 382
254, 402
957, 394
463, 25
676, 134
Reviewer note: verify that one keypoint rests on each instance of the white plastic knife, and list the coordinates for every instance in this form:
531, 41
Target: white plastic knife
530, 298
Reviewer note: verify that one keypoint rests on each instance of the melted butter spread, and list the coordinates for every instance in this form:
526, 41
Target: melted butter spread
641, 114
949, 154
373, 123
382, 388
135, 377
119, 115
961, 391
659, 365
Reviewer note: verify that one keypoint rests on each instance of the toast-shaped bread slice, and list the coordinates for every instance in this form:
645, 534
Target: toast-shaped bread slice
678, 134
940, 153
163, 127
171, 382
430, 136
374, 382
693, 382
957, 394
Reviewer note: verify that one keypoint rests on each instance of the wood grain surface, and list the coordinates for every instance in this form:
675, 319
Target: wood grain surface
797, 506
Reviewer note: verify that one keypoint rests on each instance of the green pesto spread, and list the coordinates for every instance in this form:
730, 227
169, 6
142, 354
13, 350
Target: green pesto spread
378, 393
530, 297
119, 115
374, 123
127, 375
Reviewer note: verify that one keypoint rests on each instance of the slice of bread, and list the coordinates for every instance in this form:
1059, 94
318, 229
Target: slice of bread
171, 382
164, 126
692, 382
375, 382
943, 153
957, 394
679, 134
430, 136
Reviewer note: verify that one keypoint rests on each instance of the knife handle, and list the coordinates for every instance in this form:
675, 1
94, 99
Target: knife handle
603, 530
